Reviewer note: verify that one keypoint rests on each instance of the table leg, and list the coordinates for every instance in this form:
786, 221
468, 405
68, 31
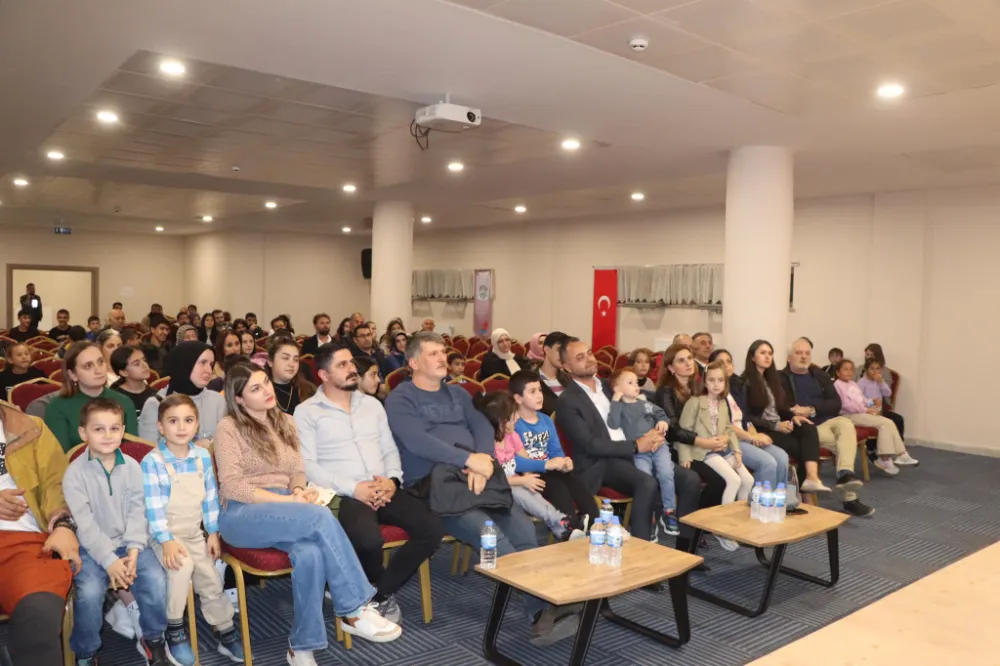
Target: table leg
765, 598
678, 593
500, 598
833, 551
588, 621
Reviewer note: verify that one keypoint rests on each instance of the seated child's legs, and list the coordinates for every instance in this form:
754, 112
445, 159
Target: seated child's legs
535, 505
150, 589
723, 468
215, 605
88, 602
644, 462
663, 466
746, 481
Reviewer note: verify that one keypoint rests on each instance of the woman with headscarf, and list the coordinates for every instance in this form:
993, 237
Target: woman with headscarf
190, 368
536, 350
186, 333
500, 360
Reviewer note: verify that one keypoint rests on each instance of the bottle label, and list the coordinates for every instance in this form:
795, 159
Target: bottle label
614, 540
597, 537
489, 541
779, 502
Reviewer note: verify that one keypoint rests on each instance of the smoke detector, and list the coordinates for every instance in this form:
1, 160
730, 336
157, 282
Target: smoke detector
638, 43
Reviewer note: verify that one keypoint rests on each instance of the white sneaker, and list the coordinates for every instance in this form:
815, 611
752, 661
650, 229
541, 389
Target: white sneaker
133, 615
120, 621
813, 487
300, 658
727, 544
371, 626
576, 535
906, 460
887, 466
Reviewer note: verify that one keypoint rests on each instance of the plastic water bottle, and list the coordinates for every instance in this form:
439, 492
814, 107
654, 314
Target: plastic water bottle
767, 503
758, 488
488, 546
597, 540
614, 541
780, 499
607, 513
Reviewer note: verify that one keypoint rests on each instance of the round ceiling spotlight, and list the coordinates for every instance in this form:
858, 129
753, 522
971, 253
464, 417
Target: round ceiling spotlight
350, 188
172, 67
159, 228
455, 167
346, 230
571, 144
107, 117
55, 155
426, 219
638, 196
20, 182
206, 218
890, 90
520, 209
271, 205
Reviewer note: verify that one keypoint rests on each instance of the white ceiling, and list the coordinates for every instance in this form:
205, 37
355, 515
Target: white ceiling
309, 94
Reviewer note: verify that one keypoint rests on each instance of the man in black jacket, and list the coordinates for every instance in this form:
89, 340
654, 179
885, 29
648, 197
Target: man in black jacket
815, 398
32, 304
363, 344
321, 323
604, 456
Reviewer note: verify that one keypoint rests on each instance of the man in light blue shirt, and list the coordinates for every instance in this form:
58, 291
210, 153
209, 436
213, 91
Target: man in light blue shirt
348, 447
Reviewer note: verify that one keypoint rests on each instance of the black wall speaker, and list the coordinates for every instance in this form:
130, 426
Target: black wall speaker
366, 263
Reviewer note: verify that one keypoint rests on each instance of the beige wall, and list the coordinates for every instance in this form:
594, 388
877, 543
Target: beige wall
135, 269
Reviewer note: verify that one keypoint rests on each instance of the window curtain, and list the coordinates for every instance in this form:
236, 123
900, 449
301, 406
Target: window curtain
678, 284
444, 283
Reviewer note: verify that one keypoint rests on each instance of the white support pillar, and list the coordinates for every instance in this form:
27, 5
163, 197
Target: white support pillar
759, 217
392, 262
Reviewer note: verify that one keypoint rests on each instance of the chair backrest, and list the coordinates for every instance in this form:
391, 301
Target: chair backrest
621, 361
472, 368
160, 383
471, 386
477, 347
518, 349
45, 344
132, 446
603, 370
23, 394
48, 365
153, 376
39, 354
396, 377
57, 376
462, 345
310, 362
603, 356
497, 382
611, 349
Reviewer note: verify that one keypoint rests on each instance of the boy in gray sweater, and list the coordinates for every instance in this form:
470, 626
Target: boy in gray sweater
635, 416
104, 492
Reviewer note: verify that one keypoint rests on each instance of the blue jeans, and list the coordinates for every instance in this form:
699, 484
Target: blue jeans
321, 556
660, 465
769, 463
517, 533
149, 588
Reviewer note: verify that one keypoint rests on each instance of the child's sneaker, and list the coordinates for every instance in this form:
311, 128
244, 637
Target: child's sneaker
133, 616
155, 652
230, 645
887, 466
668, 523
179, 646
906, 460
120, 621
300, 658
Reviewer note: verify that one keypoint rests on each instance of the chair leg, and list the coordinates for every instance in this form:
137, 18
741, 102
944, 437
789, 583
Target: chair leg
385, 558
424, 573
864, 462
342, 636
192, 623
241, 595
69, 659
467, 557
552, 538
456, 553
628, 516
810, 498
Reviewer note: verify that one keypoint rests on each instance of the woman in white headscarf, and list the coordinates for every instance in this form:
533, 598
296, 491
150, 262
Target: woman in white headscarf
500, 360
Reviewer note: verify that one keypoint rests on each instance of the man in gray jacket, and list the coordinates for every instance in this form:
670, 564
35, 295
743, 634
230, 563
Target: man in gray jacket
348, 447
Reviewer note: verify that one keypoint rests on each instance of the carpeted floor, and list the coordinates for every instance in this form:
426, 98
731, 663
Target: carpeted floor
927, 517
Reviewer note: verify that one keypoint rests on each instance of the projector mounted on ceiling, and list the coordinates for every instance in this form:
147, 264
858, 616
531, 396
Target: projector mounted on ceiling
448, 117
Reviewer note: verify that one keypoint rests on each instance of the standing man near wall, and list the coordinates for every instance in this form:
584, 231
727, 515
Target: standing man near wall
32, 303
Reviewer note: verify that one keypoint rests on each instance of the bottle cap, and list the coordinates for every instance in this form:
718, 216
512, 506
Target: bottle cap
781, 485
615, 521
489, 523
607, 501
767, 484
758, 484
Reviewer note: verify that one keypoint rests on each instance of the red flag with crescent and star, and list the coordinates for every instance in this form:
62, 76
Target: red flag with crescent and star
605, 331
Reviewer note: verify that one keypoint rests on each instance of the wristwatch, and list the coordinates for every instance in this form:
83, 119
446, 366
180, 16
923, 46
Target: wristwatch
67, 522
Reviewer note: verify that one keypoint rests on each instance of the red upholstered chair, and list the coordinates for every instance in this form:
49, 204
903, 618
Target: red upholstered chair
160, 383
57, 376
471, 386
472, 367
604, 492
603, 356
310, 362
611, 349
462, 345
475, 338
43, 343
518, 349
23, 394
48, 365
497, 382
603, 370
396, 377
39, 355
476, 348
447, 339
153, 376
621, 362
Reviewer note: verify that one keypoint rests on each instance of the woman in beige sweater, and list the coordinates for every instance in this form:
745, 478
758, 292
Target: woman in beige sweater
265, 504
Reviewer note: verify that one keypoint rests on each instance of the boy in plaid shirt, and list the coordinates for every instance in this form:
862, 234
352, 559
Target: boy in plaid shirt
181, 496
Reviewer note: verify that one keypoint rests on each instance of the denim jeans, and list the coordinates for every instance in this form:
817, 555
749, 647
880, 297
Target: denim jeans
321, 555
534, 504
149, 588
660, 465
517, 533
769, 463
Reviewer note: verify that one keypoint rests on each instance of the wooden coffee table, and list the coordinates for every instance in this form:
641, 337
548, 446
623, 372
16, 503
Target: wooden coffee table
732, 521
562, 574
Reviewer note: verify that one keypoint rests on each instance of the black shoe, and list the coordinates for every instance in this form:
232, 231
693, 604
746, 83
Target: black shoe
859, 509
847, 481
655, 587
156, 652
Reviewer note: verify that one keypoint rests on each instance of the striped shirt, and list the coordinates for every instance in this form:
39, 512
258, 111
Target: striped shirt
553, 384
156, 485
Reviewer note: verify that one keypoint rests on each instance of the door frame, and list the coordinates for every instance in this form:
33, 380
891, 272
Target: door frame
95, 274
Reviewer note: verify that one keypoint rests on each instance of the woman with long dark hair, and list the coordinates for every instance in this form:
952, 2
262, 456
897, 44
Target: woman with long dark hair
769, 412
208, 330
290, 387
265, 504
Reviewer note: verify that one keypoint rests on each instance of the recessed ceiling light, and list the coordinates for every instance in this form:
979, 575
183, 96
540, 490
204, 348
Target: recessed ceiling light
21, 182
206, 218
638, 196
346, 230
570, 144
890, 90
455, 166
107, 117
520, 209
350, 187
426, 219
159, 228
55, 155
271, 204
172, 67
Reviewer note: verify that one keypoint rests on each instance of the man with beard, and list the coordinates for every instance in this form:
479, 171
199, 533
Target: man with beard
321, 323
364, 345
347, 446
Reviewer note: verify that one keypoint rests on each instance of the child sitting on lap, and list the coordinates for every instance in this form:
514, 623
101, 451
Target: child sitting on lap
635, 416
103, 490
501, 411
181, 496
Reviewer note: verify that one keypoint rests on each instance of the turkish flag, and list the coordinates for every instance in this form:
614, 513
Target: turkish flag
605, 331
